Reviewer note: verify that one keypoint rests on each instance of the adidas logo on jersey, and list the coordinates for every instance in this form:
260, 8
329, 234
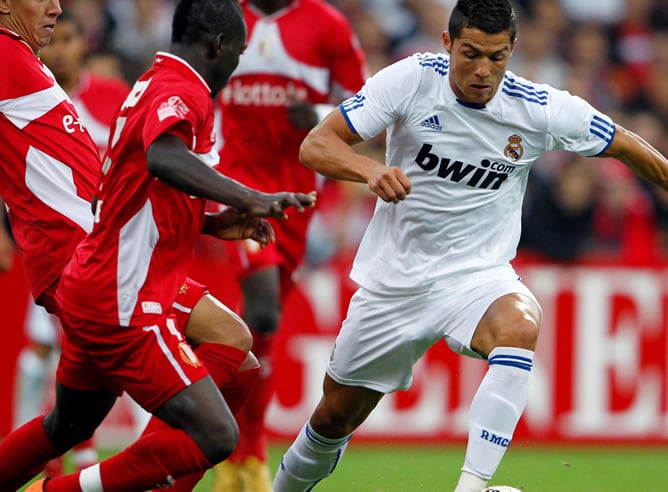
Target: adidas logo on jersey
433, 123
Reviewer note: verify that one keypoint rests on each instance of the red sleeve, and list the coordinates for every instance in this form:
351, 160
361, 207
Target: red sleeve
25, 76
176, 111
346, 58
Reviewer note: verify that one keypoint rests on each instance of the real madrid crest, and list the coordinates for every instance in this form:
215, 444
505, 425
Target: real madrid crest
514, 150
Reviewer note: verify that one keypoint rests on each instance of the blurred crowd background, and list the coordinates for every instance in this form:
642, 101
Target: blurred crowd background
614, 53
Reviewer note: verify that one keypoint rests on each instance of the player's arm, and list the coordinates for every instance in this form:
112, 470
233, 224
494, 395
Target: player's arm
6, 242
643, 159
169, 160
231, 224
328, 150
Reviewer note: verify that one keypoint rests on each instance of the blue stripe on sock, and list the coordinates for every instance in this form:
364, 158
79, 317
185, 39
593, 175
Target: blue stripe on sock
315, 439
512, 360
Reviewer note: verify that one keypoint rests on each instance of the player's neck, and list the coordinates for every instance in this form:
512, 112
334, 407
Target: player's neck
69, 83
269, 7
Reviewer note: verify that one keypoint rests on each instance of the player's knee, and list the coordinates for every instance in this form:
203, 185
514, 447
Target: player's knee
220, 440
221, 328
65, 435
236, 333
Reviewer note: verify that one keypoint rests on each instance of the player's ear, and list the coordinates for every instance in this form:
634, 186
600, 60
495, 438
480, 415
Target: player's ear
215, 45
447, 41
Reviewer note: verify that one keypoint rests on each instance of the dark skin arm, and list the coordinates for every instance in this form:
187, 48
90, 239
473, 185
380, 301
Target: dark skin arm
169, 160
328, 150
230, 224
643, 159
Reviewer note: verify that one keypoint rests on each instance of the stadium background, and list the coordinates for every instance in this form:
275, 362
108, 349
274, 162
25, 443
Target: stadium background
594, 245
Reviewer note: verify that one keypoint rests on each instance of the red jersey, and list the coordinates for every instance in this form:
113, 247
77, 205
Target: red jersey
49, 165
98, 100
130, 267
303, 52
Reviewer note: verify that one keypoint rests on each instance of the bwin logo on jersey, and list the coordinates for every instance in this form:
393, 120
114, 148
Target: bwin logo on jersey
433, 123
490, 175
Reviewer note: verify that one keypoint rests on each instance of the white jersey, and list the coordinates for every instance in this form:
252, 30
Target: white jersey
468, 166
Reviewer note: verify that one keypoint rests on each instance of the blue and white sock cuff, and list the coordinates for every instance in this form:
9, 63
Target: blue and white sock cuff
511, 356
324, 441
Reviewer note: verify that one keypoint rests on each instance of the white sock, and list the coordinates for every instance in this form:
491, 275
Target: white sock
33, 372
495, 411
470, 483
311, 458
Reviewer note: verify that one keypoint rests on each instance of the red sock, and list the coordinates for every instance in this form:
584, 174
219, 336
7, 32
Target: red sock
238, 389
152, 461
24, 453
253, 438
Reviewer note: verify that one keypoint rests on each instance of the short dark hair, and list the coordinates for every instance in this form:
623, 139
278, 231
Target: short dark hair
195, 20
490, 16
68, 16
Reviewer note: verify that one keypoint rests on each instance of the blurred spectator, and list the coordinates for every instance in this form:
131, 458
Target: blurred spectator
599, 11
142, 28
558, 215
590, 75
537, 56
624, 224
97, 23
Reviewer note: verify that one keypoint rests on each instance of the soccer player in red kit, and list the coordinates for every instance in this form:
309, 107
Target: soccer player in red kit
96, 100
301, 55
48, 175
100, 359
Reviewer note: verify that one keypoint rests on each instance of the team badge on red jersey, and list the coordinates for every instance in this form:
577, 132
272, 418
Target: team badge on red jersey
174, 106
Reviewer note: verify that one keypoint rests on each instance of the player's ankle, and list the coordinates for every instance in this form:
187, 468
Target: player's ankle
469, 482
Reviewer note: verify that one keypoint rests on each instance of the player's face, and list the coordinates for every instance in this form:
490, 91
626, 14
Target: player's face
221, 68
65, 53
478, 63
33, 20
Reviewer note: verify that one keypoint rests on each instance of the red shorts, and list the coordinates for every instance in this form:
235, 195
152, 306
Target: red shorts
150, 363
189, 295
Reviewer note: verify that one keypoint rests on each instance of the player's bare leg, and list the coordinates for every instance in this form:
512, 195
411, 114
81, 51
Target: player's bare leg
247, 470
220, 339
320, 444
507, 335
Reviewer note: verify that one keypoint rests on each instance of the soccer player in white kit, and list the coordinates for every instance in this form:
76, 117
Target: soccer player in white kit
462, 134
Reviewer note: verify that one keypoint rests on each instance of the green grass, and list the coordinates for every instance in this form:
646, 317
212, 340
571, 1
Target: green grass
397, 468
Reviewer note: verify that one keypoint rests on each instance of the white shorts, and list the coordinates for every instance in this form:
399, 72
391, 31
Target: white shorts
384, 335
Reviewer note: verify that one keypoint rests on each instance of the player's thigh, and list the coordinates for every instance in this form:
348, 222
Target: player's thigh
512, 320
200, 410
380, 340
468, 300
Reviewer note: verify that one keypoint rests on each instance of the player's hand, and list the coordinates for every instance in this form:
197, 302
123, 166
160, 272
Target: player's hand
275, 204
389, 183
231, 224
302, 114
